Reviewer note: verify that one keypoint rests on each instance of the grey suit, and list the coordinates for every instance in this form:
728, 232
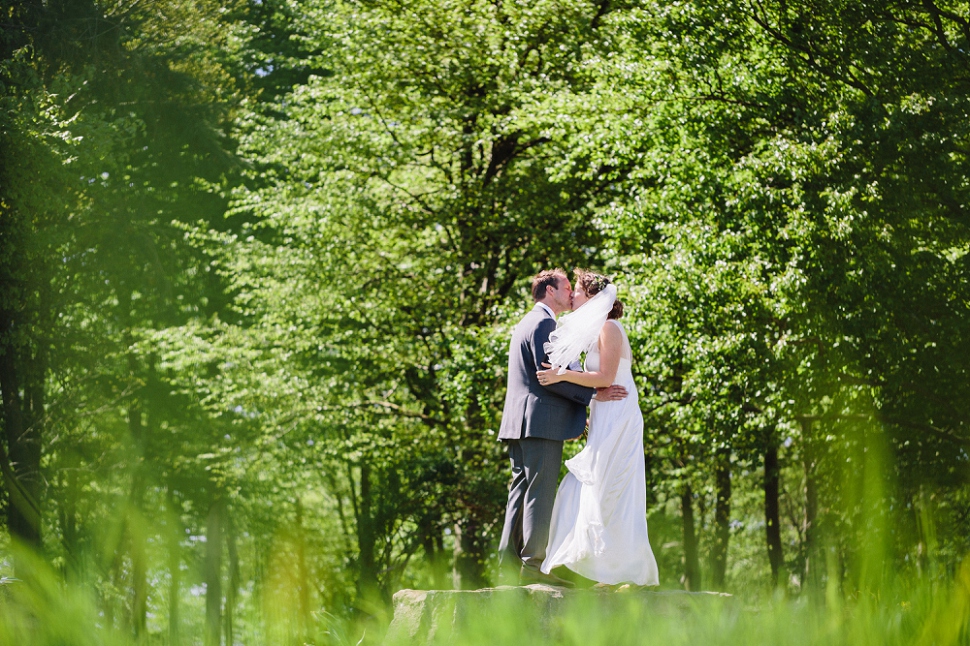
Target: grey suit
535, 422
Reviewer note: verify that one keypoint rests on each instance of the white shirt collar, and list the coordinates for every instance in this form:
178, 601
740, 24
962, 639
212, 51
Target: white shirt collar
547, 308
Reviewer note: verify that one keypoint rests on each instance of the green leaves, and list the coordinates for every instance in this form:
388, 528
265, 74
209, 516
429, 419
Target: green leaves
271, 252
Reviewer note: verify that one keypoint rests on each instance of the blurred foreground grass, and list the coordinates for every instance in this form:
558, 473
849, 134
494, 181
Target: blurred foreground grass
45, 610
907, 613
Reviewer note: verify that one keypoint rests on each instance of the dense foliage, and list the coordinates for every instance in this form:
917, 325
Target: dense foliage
260, 259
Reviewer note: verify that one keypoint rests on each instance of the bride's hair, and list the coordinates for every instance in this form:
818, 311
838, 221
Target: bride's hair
593, 284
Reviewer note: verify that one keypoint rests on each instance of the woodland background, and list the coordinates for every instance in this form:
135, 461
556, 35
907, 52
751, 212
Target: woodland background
260, 260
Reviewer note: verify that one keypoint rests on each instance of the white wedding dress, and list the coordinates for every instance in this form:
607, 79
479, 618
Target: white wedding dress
599, 521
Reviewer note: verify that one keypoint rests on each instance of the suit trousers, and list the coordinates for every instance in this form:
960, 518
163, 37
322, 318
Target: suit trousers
532, 493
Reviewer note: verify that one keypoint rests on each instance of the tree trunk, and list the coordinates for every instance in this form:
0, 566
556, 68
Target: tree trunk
21, 462
175, 583
213, 573
440, 563
67, 515
692, 567
811, 570
722, 519
135, 526
456, 558
432, 544
233, 589
470, 559
139, 572
772, 516
135, 521
20, 458
303, 573
366, 537
927, 545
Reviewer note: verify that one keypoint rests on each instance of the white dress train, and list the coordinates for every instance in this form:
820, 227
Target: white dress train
599, 520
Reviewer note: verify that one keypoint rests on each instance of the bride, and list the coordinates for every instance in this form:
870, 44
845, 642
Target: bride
599, 520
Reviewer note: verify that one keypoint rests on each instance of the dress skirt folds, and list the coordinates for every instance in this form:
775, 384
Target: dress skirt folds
599, 523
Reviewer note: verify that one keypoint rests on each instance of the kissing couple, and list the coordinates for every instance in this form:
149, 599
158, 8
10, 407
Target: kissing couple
596, 523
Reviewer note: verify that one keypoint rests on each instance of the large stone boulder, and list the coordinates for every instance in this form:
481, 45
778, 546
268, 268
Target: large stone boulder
442, 616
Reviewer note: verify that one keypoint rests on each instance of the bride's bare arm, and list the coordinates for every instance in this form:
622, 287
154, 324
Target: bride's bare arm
610, 347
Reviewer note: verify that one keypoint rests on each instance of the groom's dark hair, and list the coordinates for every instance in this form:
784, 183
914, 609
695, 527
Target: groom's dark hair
544, 280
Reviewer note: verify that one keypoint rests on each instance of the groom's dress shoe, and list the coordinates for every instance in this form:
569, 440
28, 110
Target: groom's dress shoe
528, 575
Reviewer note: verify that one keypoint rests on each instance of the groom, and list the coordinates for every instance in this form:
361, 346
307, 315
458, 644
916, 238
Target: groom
535, 422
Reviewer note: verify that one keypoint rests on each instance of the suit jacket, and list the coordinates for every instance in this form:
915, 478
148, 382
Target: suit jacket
554, 412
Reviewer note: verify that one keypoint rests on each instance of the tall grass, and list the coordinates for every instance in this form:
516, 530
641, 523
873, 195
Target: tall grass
47, 611
860, 598
907, 612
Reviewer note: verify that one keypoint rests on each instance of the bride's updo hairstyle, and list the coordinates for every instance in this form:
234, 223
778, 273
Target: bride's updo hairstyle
593, 284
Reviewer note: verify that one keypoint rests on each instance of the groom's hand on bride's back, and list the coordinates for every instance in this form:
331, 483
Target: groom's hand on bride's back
612, 393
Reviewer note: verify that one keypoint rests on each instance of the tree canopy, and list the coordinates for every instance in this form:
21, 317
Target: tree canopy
260, 260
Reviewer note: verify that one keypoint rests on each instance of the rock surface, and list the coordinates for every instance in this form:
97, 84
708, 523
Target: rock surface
435, 616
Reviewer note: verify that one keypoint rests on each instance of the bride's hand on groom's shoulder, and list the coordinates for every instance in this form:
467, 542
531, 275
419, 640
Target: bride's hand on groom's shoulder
612, 393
